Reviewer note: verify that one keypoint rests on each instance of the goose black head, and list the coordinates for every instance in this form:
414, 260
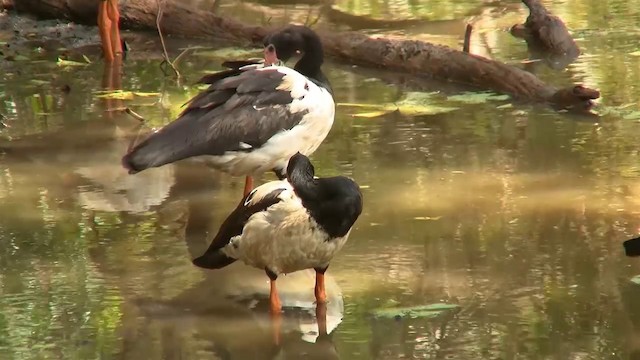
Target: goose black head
300, 168
284, 44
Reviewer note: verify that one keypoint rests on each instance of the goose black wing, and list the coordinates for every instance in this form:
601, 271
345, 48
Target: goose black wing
233, 225
236, 113
235, 67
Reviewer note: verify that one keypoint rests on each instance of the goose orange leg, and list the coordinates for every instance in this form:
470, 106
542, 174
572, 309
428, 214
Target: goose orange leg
275, 306
108, 24
274, 299
248, 185
104, 26
114, 16
321, 294
321, 317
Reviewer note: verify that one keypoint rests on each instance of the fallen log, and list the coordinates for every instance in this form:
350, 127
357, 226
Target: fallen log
547, 36
415, 57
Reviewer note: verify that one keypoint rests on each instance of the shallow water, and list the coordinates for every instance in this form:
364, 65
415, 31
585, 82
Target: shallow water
514, 212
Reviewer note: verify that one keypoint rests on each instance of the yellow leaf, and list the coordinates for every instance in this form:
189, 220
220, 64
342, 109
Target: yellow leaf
62, 62
123, 95
371, 114
427, 218
413, 104
118, 95
415, 110
360, 105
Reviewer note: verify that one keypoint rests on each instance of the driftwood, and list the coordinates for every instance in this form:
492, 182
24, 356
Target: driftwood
547, 36
415, 57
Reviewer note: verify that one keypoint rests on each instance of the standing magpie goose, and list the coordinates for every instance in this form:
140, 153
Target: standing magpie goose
288, 225
252, 118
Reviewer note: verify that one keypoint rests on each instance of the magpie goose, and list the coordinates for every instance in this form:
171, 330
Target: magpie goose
288, 225
252, 118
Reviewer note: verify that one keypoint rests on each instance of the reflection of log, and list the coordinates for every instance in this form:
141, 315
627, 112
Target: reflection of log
358, 22
546, 35
415, 57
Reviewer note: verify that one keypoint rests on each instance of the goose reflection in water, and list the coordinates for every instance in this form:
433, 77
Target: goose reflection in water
228, 316
223, 315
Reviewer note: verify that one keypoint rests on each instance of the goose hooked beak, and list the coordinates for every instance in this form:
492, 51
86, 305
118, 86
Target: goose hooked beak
270, 56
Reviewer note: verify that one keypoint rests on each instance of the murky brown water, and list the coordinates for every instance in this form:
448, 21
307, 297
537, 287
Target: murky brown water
516, 213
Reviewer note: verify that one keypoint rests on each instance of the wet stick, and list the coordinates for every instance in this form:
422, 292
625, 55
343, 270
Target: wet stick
134, 114
467, 38
166, 60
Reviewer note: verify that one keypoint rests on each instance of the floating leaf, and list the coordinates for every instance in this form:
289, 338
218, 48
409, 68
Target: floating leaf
427, 218
420, 311
123, 95
477, 97
636, 279
86, 59
357, 105
62, 62
371, 114
417, 110
38, 82
20, 58
634, 115
420, 103
146, 94
117, 95
413, 104
635, 53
